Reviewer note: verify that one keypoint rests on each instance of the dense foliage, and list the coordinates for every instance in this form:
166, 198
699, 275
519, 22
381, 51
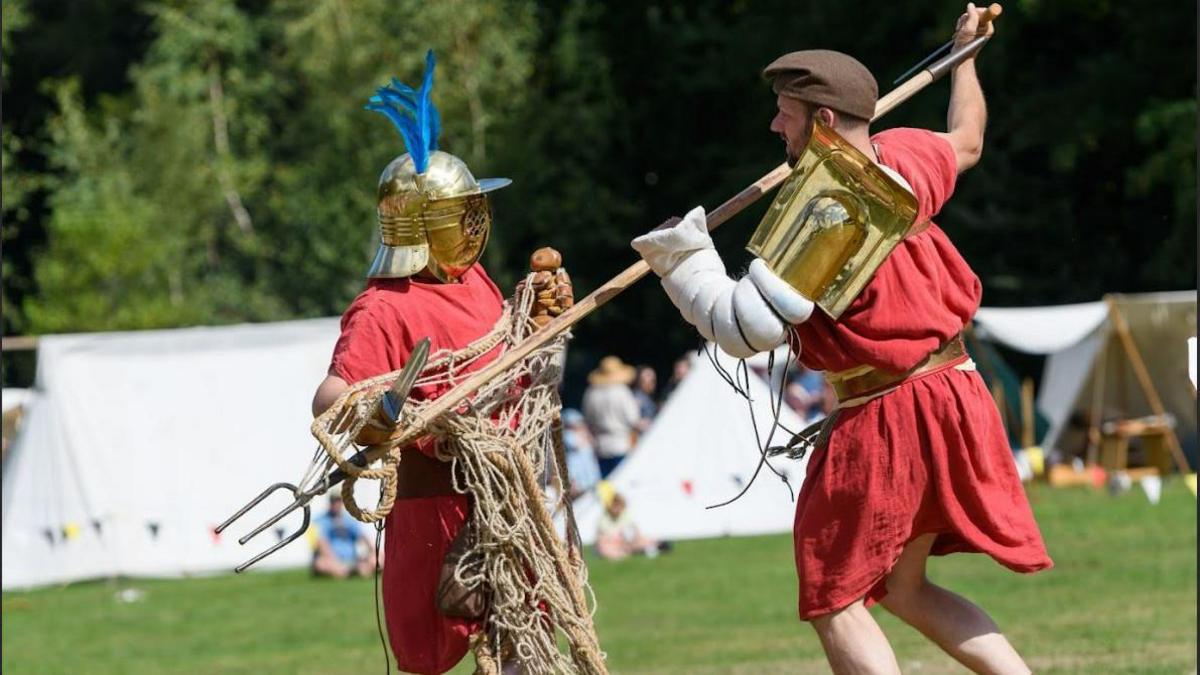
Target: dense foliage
209, 161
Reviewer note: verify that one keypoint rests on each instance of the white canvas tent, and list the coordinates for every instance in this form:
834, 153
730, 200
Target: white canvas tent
137, 444
701, 451
1088, 366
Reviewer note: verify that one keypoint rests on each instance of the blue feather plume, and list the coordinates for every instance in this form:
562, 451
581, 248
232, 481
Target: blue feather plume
413, 113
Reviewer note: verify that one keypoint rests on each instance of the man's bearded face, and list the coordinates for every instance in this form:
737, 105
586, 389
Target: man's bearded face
793, 123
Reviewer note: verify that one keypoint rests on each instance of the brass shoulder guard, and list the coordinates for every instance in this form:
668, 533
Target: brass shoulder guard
833, 223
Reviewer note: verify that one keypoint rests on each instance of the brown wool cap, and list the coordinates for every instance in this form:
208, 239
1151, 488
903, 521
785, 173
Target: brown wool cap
826, 78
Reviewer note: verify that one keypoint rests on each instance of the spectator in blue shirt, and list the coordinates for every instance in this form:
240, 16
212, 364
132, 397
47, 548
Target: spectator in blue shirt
805, 393
338, 538
581, 453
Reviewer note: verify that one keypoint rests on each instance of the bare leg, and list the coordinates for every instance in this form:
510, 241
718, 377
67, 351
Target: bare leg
366, 567
328, 566
961, 629
854, 643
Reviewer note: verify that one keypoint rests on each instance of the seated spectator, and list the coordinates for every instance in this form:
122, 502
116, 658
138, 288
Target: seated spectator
805, 393
338, 539
618, 536
580, 452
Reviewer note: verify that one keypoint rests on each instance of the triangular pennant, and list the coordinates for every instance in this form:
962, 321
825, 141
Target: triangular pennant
1152, 486
738, 480
1037, 459
687, 487
48, 533
70, 531
97, 526
605, 491
216, 536
1190, 481
153, 527
279, 532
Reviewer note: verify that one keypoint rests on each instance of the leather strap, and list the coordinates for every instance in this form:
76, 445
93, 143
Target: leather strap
865, 380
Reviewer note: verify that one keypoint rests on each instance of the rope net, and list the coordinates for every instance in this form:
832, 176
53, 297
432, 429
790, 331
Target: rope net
505, 447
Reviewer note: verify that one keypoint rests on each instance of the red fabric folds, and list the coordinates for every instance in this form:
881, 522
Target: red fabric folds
418, 534
379, 331
931, 456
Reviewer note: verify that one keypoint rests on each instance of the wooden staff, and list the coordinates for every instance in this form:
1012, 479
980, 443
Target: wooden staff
615, 286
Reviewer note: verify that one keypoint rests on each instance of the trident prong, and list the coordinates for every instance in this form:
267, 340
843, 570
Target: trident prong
391, 402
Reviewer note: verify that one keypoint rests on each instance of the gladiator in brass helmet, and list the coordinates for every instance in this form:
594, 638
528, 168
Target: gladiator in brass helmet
434, 215
834, 221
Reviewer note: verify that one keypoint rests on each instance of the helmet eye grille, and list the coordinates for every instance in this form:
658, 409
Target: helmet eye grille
477, 217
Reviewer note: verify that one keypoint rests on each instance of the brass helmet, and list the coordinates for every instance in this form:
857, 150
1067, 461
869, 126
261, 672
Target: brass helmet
433, 214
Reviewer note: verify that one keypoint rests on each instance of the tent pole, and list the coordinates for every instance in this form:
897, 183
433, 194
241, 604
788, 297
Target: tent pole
1099, 370
1027, 418
998, 396
1143, 375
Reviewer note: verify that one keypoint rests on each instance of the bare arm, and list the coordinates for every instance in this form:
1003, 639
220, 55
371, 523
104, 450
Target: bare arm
967, 114
328, 392
331, 387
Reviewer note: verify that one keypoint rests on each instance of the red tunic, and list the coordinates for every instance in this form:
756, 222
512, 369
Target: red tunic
379, 331
931, 456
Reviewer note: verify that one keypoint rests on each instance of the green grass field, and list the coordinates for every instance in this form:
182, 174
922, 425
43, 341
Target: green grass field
1122, 599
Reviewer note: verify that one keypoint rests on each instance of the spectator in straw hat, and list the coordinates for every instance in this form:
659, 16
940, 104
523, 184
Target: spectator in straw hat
611, 411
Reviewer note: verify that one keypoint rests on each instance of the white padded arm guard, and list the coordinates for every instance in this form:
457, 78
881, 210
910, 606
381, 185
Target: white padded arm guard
743, 317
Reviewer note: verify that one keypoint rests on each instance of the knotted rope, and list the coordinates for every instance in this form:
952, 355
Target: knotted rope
501, 442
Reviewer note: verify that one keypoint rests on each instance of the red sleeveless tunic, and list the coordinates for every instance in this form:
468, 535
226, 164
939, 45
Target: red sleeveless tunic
931, 456
379, 331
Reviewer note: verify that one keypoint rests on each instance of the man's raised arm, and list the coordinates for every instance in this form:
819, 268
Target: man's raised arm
967, 115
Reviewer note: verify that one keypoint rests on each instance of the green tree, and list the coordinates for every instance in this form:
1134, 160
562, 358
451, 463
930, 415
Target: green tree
242, 163
109, 258
17, 183
164, 175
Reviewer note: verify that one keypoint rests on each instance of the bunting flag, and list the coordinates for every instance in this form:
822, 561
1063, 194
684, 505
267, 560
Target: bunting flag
738, 480
98, 526
279, 533
1037, 459
605, 491
687, 487
70, 531
1190, 481
153, 527
48, 533
216, 536
1152, 486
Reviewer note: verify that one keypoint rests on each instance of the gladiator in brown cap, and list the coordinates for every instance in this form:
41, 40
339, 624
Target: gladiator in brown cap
914, 459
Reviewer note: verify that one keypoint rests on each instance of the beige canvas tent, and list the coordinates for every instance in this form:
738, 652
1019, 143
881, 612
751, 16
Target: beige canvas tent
1123, 358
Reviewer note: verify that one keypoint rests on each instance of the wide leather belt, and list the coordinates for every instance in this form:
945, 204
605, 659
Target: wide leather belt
866, 380
419, 475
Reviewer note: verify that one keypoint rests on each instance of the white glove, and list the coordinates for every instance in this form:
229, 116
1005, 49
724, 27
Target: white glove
744, 317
